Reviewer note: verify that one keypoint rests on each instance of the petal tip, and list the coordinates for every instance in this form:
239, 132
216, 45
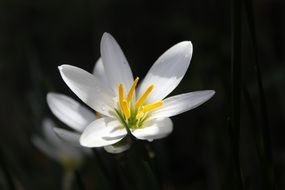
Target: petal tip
60, 67
106, 36
212, 93
187, 45
51, 95
65, 66
52, 98
81, 141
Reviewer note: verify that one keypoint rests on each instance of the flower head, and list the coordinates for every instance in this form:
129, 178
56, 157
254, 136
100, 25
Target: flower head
127, 105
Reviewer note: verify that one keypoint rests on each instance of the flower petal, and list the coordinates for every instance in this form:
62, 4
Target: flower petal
181, 103
50, 135
69, 137
116, 149
167, 72
62, 150
99, 72
115, 63
70, 111
102, 132
46, 148
87, 88
154, 129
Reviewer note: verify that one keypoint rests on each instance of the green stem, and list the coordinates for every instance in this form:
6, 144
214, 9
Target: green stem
67, 180
110, 177
136, 168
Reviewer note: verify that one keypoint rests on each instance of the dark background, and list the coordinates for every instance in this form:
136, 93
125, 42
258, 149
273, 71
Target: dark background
37, 36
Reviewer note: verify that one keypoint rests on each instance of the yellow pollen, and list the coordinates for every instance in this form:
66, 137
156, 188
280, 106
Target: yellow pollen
141, 100
126, 109
132, 89
121, 94
152, 106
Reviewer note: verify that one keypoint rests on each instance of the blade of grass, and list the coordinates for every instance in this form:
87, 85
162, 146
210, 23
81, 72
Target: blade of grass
253, 118
6, 172
266, 152
79, 180
235, 96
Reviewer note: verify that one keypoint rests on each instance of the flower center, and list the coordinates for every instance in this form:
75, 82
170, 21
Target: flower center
133, 113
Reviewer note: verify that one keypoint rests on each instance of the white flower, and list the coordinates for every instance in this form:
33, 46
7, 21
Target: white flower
125, 106
69, 156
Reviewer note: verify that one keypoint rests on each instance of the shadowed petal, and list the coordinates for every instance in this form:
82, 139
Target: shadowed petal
154, 129
167, 72
69, 137
181, 103
70, 111
102, 132
116, 149
100, 74
50, 135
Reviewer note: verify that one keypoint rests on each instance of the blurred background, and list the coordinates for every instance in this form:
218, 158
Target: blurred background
38, 36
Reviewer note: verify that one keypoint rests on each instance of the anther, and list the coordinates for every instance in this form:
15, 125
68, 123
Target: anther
141, 100
121, 94
132, 89
126, 109
152, 106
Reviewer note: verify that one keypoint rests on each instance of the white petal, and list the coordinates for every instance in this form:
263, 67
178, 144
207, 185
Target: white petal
154, 129
61, 149
99, 72
181, 103
70, 111
50, 135
87, 88
46, 148
102, 132
115, 63
69, 137
116, 149
167, 72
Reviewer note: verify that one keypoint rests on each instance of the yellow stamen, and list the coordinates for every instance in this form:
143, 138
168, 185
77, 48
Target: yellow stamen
132, 90
152, 106
121, 94
126, 109
141, 100
140, 115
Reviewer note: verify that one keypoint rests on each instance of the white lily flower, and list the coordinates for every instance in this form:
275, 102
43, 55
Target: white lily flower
69, 156
126, 106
